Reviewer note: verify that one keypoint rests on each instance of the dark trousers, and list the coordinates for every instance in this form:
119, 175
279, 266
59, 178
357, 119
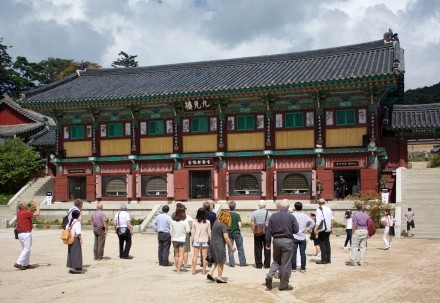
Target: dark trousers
98, 247
163, 252
282, 258
124, 251
302, 251
349, 232
259, 248
324, 244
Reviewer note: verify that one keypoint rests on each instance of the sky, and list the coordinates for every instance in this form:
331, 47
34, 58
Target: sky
178, 31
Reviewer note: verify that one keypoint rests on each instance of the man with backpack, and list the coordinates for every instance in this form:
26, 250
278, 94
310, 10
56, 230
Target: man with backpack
360, 236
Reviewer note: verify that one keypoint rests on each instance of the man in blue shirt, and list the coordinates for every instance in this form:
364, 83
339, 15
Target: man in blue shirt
162, 227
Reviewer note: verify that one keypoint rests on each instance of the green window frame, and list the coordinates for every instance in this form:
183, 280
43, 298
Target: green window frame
199, 125
77, 132
156, 127
115, 130
245, 122
293, 120
345, 117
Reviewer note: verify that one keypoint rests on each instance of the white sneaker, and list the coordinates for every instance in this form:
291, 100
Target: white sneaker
345, 247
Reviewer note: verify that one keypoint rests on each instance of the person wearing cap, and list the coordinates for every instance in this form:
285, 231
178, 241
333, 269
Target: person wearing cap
260, 216
124, 230
322, 231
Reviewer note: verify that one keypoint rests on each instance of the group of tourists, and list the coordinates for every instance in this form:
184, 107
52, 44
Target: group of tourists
281, 235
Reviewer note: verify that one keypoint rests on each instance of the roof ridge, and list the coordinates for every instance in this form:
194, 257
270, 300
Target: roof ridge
291, 56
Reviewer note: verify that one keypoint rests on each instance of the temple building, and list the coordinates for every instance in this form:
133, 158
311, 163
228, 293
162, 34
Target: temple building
266, 127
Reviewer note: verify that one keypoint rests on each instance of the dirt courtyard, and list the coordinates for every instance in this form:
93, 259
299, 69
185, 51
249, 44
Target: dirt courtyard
406, 273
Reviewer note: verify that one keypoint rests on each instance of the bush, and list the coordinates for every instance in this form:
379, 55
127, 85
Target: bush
373, 205
18, 164
435, 161
4, 198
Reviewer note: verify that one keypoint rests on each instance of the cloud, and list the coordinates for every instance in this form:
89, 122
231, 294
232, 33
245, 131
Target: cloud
175, 31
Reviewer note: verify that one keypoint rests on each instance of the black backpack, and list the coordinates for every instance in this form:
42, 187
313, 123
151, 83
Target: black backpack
65, 220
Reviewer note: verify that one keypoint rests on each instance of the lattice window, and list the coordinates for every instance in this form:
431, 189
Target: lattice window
294, 120
345, 117
199, 125
116, 187
246, 185
245, 122
156, 186
156, 127
295, 184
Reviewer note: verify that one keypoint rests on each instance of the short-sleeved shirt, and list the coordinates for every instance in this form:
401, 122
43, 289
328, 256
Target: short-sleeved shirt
161, 223
70, 211
76, 227
360, 220
259, 216
235, 219
122, 218
324, 214
98, 218
24, 220
409, 215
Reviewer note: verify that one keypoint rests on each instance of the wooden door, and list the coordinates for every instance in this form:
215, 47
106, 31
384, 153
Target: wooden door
326, 178
181, 181
60, 189
90, 185
369, 179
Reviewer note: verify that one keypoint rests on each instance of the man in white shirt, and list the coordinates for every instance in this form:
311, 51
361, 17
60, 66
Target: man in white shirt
325, 215
124, 230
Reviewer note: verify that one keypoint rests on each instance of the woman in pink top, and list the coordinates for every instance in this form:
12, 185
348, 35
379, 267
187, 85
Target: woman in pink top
200, 235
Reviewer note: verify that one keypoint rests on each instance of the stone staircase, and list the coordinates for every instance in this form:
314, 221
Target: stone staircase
420, 188
35, 190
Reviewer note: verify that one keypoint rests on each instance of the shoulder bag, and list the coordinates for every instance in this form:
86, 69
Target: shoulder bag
260, 229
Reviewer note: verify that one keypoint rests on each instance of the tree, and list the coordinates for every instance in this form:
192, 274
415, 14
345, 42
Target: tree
6, 78
125, 60
18, 164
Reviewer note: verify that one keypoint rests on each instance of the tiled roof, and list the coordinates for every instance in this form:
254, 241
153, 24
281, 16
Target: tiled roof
46, 137
9, 131
32, 115
348, 62
416, 116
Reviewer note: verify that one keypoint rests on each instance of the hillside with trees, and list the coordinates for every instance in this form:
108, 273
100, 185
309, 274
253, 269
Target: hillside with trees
423, 95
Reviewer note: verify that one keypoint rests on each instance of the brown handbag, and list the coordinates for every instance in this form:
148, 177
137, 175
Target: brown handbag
260, 229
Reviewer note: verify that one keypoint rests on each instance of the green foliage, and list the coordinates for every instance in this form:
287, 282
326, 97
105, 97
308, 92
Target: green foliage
338, 225
18, 164
373, 204
22, 75
423, 95
435, 161
136, 221
125, 60
4, 198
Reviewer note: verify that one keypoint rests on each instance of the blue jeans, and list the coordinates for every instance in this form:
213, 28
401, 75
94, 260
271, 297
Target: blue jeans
302, 251
238, 238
